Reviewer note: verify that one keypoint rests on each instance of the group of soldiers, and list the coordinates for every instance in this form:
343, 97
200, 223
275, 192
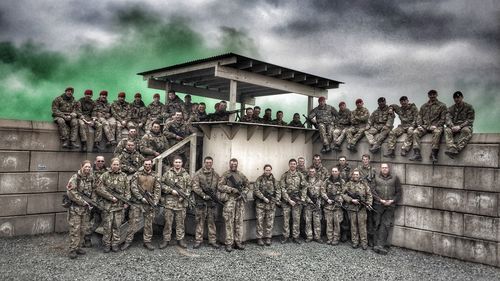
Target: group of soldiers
358, 203
433, 117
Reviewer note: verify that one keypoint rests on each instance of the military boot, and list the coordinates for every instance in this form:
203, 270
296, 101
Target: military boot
268, 241
452, 152
404, 152
80, 251
115, 248
239, 246
260, 242
74, 144
88, 242
182, 243
197, 245
148, 246
297, 241
163, 244
284, 240
335, 242
375, 148
125, 246
434, 155
416, 155
324, 149
390, 153
214, 245
72, 254
65, 144
106, 249
229, 248
96, 147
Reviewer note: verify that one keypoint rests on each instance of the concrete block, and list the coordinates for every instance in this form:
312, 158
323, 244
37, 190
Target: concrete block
434, 220
56, 161
28, 182
482, 203
474, 250
45, 140
411, 238
45, 203
481, 179
63, 180
441, 176
15, 139
61, 222
26, 225
478, 155
15, 124
399, 216
398, 170
418, 196
14, 161
480, 227
13, 205
450, 199
444, 245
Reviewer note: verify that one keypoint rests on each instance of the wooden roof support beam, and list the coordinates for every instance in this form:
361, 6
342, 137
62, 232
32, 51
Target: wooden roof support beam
299, 78
250, 131
266, 130
273, 72
259, 68
287, 75
162, 85
244, 64
281, 133
189, 68
295, 134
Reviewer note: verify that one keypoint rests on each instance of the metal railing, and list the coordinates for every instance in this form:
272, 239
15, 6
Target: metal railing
192, 140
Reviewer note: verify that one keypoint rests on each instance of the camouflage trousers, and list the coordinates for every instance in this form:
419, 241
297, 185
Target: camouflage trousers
313, 221
205, 214
376, 135
68, 130
180, 218
134, 217
436, 137
111, 226
462, 138
120, 126
109, 127
233, 213
339, 135
333, 219
354, 134
358, 227
325, 132
79, 226
296, 211
384, 220
85, 131
265, 220
396, 133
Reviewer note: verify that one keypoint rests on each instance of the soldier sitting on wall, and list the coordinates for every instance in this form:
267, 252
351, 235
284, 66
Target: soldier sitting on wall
459, 121
64, 111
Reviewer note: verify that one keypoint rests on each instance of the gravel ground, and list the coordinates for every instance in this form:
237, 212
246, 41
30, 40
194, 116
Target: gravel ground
44, 258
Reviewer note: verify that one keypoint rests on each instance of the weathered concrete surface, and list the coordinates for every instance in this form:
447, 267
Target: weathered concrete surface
28, 182
63, 180
415, 239
418, 196
13, 205
26, 225
440, 176
14, 161
481, 227
482, 203
56, 161
434, 220
482, 179
45, 203
61, 222
399, 216
450, 199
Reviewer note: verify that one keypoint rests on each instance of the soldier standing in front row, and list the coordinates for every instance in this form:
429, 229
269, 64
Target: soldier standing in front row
292, 184
266, 193
233, 186
312, 211
459, 121
324, 116
64, 111
408, 114
333, 209
367, 173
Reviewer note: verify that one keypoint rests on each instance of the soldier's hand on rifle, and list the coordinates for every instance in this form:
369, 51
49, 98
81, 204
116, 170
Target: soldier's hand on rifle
114, 200
144, 200
174, 192
125, 206
455, 129
266, 200
355, 201
206, 197
330, 201
234, 190
292, 203
178, 137
389, 202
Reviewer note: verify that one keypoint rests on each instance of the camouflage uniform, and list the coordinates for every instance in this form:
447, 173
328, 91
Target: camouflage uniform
459, 115
154, 113
138, 115
345, 171
325, 117
114, 211
312, 216
248, 119
380, 124
278, 122
367, 175
293, 188
297, 124
205, 181
178, 128
359, 120
234, 207
333, 212
141, 183
302, 170
265, 187
321, 171
175, 205
431, 114
122, 144
102, 111
121, 114
408, 116
130, 161
357, 213
86, 120
153, 142
65, 112
341, 126
173, 106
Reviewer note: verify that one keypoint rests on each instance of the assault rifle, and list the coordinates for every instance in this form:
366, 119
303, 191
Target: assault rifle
238, 186
175, 186
361, 200
122, 198
271, 198
309, 122
148, 196
212, 196
91, 202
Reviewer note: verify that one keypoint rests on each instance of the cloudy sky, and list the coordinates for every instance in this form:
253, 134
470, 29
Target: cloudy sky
378, 48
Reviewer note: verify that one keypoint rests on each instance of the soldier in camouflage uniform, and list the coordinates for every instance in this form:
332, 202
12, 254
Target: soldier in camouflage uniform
357, 211
359, 122
324, 116
332, 195
146, 191
205, 189
188, 107
431, 119
321, 171
279, 119
175, 131
268, 116
154, 112
345, 173
110, 183
367, 174
174, 181
81, 183
99, 167
138, 114
65, 113
312, 211
296, 121
386, 194
130, 159
87, 120
459, 121
341, 126
102, 111
132, 136
256, 114
407, 113
120, 110
153, 143
292, 184
379, 125
174, 104
248, 117
266, 193
301, 166
234, 195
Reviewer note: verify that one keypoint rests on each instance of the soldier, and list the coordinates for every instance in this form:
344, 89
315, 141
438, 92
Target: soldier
175, 131
146, 191
154, 112
359, 121
130, 159
386, 194
138, 113
174, 104
357, 208
248, 117
332, 194
431, 119
344, 168
268, 117
102, 111
188, 107
321, 172
301, 165
292, 184
86, 106
379, 125
296, 121
407, 113
99, 167
256, 114
341, 126
220, 114
205, 187
202, 113
113, 184
367, 174
345, 173
120, 110
153, 143
80, 184
324, 116
176, 190
459, 121
267, 194
233, 186
312, 211
279, 119
65, 113
132, 136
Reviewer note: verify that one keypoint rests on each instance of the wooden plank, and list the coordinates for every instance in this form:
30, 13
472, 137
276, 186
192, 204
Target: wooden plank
273, 72
226, 129
207, 130
265, 132
250, 131
309, 136
193, 156
234, 130
295, 134
233, 85
190, 68
259, 68
281, 133
299, 78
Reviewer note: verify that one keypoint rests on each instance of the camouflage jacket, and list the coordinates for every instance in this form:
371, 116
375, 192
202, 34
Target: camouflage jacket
102, 109
432, 114
278, 122
408, 114
333, 191
266, 187
116, 182
321, 171
343, 119
292, 185
359, 117
98, 172
138, 112
367, 174
345, 172
143, 182
120, 111
79, 185
359, 188
123, 143
130, 162
86, 108
173, 106
225, 185
183, 181
248, 119
297, 124
176, 128
155, 111
63, 106
460, 115
324, 114
381, 117
387, 188
313, 190
151, 143
205, 181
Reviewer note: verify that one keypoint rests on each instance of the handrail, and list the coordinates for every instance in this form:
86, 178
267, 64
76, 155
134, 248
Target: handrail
192, 139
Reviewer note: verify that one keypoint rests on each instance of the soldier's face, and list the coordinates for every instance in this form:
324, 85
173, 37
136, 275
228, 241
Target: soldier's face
208, 164
222, 106
99, 162
335, 172
137, 99
384, 169
267, 171
103, 97
201, 108
296, 118
432, 97
322, 103
156, 100
355, 176
132, 132
268, 113
249, 112
256, 111
233, 165
342, 161
88, 97
458, 100
301, 162
317, 160
311, 173
121, 99
342, 107
69, 93
365, 161
130, 146
177, 163
115, 166
148, 165
178, 116
171, 96
86, 168
292, 166
279, 116
155, 128
404, 103
381, 104
359, 105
